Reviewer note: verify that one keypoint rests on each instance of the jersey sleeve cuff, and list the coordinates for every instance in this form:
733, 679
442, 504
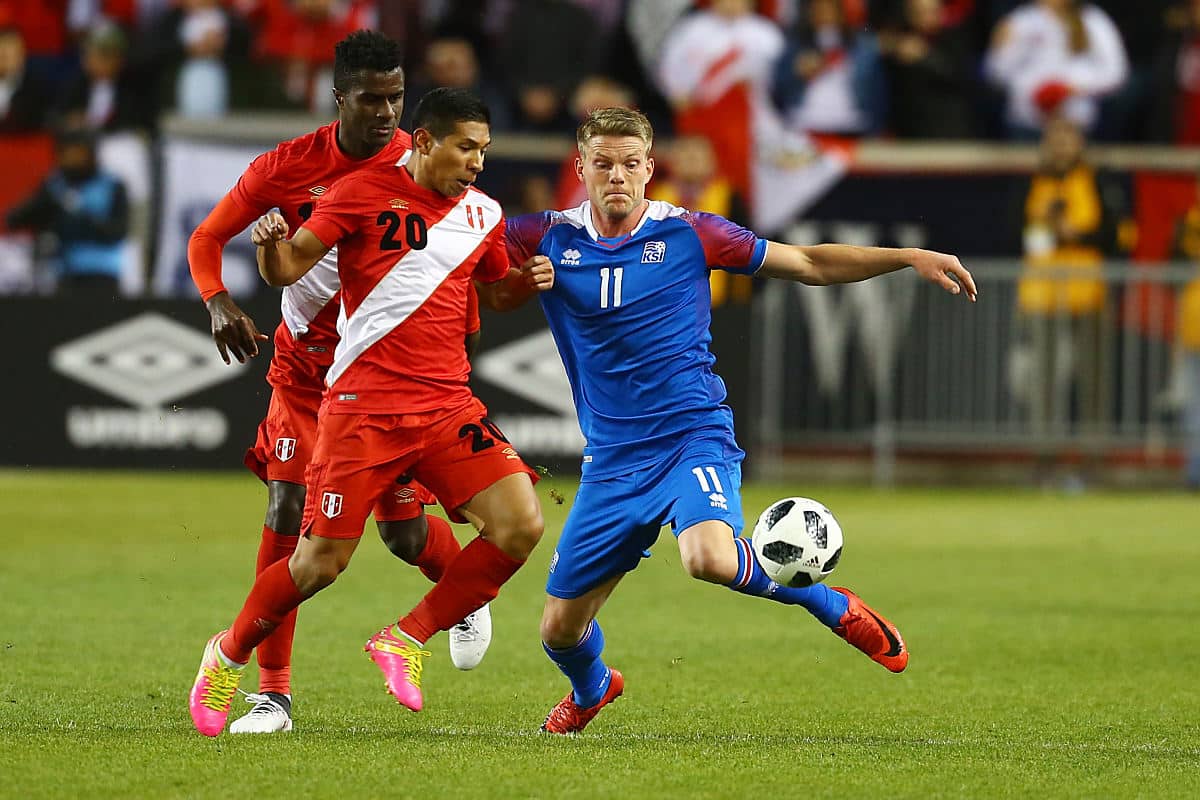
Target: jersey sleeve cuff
757, 257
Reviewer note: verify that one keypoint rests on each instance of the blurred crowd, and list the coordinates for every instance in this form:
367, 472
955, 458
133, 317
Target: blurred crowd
730, 85
921, 69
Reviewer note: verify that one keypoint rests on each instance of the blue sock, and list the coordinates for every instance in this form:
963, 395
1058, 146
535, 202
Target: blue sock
581, 664
819, 600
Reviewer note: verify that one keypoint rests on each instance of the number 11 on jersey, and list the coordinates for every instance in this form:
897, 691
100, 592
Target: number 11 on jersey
615, 273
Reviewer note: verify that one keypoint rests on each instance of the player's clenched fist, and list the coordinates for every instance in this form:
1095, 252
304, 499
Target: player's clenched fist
539, 273
271, 227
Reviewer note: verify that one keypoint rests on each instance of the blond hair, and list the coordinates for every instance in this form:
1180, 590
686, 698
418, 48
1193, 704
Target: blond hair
615, 122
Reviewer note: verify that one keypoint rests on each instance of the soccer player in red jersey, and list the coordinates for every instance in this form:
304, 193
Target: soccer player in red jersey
369, 89
411, 237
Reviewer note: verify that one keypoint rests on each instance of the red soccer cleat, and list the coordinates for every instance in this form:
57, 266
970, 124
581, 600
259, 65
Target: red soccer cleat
862, 627
567, 717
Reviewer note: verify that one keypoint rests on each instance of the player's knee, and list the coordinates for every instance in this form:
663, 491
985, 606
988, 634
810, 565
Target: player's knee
559, 632
285, 508
313, 571
704, 563
520, 533
405, 538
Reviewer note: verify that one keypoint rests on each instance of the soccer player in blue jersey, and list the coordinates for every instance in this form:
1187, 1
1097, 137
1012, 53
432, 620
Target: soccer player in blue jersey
630, 312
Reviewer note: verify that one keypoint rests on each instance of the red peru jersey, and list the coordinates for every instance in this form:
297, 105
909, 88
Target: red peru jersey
406, 258
292, 178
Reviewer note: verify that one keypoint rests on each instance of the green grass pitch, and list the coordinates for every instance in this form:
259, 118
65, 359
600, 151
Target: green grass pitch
1055, 644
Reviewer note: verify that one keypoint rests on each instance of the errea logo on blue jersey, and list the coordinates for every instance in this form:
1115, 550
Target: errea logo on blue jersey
570, 258
654, 252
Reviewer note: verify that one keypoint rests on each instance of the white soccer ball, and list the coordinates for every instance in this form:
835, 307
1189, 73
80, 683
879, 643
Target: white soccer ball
797, 541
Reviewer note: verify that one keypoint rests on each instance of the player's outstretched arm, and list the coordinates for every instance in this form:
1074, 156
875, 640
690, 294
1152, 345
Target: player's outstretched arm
825, 264
283, 261
512, 291
232, 329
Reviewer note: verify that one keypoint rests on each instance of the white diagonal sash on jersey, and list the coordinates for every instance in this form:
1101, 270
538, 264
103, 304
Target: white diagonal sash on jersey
305, 298
411, 281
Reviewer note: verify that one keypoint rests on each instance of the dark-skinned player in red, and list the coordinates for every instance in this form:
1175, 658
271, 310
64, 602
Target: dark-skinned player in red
369, 92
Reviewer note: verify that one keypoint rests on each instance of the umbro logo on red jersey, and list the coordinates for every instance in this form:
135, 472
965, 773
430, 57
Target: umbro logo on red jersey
398, 203
317, 191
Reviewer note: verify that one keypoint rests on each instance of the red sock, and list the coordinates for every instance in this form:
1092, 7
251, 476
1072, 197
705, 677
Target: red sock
440, 549
275, 652
273, 597
472, 579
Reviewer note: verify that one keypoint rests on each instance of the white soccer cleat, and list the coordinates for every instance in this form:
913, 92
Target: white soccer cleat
469, 639
267, 716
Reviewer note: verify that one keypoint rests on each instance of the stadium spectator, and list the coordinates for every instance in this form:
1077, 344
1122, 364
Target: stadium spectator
546, 55
595, 91
1175, 80
693, 182
1055, 57
829, 79
1186, 245
295, 39
198, 45
1072, 222
87, 214
715, 70
534, 192
84, 15
1189, 345
112, 94
451, 61
1147, 28
22, 94
43, 23
929, 67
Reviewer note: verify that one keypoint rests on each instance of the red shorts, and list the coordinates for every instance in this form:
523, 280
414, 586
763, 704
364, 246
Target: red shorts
284, 446
359, 456
286, 436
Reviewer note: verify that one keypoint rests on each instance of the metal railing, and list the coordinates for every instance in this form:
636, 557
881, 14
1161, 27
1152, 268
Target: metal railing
893, 366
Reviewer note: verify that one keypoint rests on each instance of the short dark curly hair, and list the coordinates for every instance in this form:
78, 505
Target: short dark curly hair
364, 51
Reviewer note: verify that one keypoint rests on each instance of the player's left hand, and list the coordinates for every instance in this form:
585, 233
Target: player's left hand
539, 273
944, 270
270, 228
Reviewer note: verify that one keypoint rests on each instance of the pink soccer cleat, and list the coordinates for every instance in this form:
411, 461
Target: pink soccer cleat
401, 661
212, 693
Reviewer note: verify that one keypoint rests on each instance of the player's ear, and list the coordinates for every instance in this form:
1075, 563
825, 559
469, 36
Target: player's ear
422, 140
649, 167
339, 99
579, 167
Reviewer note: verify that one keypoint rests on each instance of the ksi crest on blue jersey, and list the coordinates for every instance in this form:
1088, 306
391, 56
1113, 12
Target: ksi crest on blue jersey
654, 252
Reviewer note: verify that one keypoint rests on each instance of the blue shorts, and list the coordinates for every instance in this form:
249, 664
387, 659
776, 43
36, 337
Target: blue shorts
614, 521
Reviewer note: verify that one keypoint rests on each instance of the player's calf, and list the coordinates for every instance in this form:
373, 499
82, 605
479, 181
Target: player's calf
318, 561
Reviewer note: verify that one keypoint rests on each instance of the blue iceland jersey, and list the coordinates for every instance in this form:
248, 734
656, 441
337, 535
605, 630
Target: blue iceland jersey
631, 316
